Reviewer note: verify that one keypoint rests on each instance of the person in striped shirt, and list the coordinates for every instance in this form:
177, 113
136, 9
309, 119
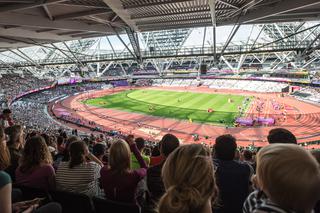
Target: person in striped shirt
78, 175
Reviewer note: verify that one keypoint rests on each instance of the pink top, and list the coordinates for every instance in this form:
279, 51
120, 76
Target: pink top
42, 178
122, 187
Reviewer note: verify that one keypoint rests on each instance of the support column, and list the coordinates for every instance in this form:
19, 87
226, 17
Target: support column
212, 5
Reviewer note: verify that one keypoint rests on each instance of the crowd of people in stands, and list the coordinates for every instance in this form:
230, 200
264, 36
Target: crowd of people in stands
31, 109
307, 93
15, 84
168, 177
246, 85
164, 177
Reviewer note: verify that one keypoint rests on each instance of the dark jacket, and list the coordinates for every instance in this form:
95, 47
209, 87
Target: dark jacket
233, 181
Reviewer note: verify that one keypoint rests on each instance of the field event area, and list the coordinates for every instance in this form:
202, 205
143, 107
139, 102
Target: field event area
195, 107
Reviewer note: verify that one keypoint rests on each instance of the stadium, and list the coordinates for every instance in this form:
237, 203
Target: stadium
114, 105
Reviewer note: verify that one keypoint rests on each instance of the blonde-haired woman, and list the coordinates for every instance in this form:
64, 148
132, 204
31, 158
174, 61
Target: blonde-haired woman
118, 180
290, 178
188, 176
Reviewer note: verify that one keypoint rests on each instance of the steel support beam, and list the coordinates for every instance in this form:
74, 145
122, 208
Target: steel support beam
125, 45
153, 3
288, 36
23, 56
310, 45
134, 40
17, 1
227, 63
106, 68
232, 34
18, 32
82, 14
116, 6
64, 43
47, 12
204, 38
57, 48
30, 59
41, 22
37, 3
279, 8
185, 11
212, 5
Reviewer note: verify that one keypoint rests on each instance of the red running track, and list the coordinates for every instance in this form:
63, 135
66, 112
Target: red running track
303, 119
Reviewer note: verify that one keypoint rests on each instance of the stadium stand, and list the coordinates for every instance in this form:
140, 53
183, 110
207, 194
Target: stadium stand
309, 94
247, 85
184, 118
36, 126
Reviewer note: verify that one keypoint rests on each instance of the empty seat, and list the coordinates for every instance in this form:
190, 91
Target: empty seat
108, 206
72, 202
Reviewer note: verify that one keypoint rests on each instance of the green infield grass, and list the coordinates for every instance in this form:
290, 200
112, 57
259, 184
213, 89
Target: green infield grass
178, 105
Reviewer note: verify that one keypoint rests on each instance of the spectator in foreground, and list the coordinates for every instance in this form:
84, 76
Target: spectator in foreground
233, 177
5, 119
35, 168
281, 135
140, 142
78, 175
154, 181
188, 176
15, 145
118, 180
290, 178
6, 205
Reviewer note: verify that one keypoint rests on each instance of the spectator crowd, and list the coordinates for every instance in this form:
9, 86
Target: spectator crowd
164, 177
40, 160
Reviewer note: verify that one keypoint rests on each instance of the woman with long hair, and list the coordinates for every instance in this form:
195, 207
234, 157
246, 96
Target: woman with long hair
118, 180
35, 168
6, 188
15, 145
188, 177
78, 175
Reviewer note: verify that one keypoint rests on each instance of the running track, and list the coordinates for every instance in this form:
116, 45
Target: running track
303, 119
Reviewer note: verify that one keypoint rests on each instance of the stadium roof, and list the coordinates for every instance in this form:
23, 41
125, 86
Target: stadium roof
35, 22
